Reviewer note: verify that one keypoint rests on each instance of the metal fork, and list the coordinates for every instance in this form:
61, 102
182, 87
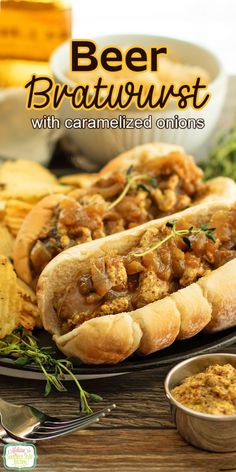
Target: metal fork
26, 423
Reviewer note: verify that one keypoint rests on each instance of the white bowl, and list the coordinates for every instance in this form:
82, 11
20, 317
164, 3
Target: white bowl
101, 145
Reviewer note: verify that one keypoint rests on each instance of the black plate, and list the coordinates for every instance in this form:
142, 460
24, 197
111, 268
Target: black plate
180, 350
61, 164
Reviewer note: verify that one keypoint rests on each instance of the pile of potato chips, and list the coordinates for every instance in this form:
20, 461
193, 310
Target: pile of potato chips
22, 184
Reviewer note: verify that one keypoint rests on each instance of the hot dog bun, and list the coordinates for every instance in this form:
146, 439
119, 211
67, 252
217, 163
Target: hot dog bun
209, 303
141, 154
37, 218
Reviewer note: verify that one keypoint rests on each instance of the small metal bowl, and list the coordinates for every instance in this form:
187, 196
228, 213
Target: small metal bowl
211, 432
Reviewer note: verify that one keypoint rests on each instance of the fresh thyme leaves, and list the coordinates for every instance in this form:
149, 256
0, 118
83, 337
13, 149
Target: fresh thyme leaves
171, 224
208, 231
153, 182
187, 241
23, 346
130, 181
130, 170
222, 159
143, 187
183, 233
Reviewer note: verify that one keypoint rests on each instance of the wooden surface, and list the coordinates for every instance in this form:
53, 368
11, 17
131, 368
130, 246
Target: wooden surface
138, 436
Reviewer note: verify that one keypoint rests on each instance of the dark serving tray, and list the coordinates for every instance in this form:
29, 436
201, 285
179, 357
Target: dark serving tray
180, 350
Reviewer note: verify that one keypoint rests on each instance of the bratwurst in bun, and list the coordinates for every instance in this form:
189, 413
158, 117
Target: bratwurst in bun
146, 183
139, 290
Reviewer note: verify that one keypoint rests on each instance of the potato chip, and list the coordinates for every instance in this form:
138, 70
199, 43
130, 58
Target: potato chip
2, 209
15, 213
6, 242
29, 312
9, 298
27, 181
79, 180
11, 170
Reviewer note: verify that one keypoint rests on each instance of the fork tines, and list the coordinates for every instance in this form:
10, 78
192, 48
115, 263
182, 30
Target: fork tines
51, 429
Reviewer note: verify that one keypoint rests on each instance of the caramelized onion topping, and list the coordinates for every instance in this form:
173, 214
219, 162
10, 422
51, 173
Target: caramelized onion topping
116, 283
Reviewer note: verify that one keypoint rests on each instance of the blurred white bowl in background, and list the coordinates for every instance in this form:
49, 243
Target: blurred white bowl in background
101, 145
17, 137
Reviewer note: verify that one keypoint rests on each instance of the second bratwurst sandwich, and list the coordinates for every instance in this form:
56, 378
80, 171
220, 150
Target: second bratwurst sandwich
144, 184
143, 288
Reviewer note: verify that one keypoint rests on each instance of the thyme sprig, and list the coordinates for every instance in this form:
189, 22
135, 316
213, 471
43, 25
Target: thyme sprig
130, 181
23, 346
222, 158
183, 233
